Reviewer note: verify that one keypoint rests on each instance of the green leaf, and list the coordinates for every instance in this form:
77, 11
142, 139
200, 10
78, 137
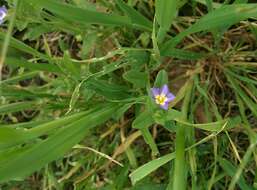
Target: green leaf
85, 16
11, 135
12, 91
250, 103
161, 117
25, 162
20, 77
166, 11
182, 54
14, 43
122, 110
242, 78
153, 165
139, 79
35, 31
12, 61
149, 167
25, 14
213, 126
143, 122
161, 78
108, 90
230, 169
71, 68
226, 15
137, 59
18, 106
149, 140
137, 19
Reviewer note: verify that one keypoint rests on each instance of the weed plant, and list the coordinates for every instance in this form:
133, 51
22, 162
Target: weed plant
136, 94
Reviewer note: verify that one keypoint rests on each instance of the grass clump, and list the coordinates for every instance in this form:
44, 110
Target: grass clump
77, 109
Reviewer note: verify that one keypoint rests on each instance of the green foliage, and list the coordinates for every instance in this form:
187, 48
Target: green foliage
161, 78
137, 78
37, 155
76, 109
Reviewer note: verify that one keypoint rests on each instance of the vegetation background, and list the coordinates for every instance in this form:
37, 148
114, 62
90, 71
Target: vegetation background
76, 110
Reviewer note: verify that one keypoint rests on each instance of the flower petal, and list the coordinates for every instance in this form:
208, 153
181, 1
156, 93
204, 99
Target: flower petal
165, 106
155, 91
3, 9
3, 12
170, 97
165, 89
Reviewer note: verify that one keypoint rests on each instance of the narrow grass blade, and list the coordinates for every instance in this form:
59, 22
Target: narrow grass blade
242, 165
182, 54
12, 135
31, 66
252, 106
242, 78
213, 126
24, 76
137, 19
149, 167
18, 106
143, 122
226, 15
54, 147
230, 169
19, 93
14, 43
85, 16
165, 13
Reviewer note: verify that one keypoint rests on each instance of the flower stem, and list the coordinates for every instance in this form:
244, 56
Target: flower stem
179, 177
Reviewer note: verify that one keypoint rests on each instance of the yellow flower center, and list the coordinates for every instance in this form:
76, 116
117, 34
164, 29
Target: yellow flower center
160, 99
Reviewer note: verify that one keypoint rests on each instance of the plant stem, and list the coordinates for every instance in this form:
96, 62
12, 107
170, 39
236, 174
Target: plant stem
179, 180
7, 39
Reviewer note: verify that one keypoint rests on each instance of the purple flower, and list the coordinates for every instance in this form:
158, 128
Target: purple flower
3, 13
162, 96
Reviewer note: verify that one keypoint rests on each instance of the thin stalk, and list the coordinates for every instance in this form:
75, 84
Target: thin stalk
242, 165
7, 39
179, 180
190, 136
